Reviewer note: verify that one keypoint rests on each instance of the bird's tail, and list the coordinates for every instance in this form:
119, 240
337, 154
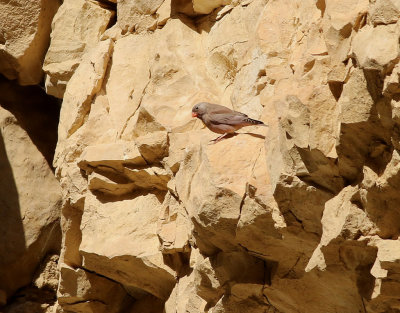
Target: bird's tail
250, 121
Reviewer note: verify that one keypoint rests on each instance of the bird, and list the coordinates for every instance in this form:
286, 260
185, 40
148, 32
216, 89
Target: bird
222, 120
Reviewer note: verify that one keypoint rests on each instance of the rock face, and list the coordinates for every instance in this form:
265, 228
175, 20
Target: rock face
24, 38
30, 205
76, 28
302, 216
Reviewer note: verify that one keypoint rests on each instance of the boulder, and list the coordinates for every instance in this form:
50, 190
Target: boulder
24, 38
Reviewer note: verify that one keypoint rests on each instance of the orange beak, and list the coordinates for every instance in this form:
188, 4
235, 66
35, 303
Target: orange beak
194, 114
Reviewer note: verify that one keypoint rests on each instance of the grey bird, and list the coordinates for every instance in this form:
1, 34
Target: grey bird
222, 120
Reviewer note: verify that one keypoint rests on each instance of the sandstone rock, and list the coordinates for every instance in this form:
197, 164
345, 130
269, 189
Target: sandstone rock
385, 12
243, 297
184, 298
391, 83
132, 252
24, 38
142, 124
36, 112
117, 169
221, 183
138, 16
164, 13
41, 294
71, 217
76, 29
246, 223
376, 48
216, 271
78, 96
47, 275
206, 6
30, 215
342, 218
364, 121
111, 155
173, 227
153, 147
82, 291
339, 20
168, 84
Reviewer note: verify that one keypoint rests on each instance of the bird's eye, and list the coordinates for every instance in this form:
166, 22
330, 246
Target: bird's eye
196, 108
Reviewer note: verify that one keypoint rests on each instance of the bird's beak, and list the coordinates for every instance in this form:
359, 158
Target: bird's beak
194, 114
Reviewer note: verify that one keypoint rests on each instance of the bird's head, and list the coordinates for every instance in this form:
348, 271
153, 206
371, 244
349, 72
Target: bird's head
199, 109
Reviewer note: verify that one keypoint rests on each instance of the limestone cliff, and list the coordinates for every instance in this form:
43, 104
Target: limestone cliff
302, 216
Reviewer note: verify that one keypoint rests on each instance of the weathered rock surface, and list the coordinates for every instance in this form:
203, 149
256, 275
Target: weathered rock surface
301, 216
30, 215
24, 38
76, 28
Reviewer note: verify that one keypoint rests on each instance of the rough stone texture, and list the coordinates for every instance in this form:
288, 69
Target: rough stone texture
301, 216
30, 215
76, 28
275, 219
24, 38
40, 296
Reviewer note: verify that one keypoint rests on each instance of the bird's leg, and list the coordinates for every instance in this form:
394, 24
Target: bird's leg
218, 138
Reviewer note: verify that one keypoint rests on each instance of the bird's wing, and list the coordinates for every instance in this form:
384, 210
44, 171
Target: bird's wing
233, 118
220, 109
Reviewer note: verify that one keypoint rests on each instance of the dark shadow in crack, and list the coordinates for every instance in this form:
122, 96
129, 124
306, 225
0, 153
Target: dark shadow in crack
36, 112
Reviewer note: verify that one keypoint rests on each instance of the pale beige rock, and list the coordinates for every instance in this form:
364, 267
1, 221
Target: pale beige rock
174, 229
178, 142
221, 183
153, 147
184, 298
117, 180
78, 95
164, 13
30, 214
376, 48
272, 219
171, 85
385, 12
142, 124
132, 252
137, 16
24, 38
339, 19
346, 12
76, 28
116, 155
71, 217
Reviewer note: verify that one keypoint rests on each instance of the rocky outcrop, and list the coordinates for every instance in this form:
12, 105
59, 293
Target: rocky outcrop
76, 28
24, 38
301, 216
30, 194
